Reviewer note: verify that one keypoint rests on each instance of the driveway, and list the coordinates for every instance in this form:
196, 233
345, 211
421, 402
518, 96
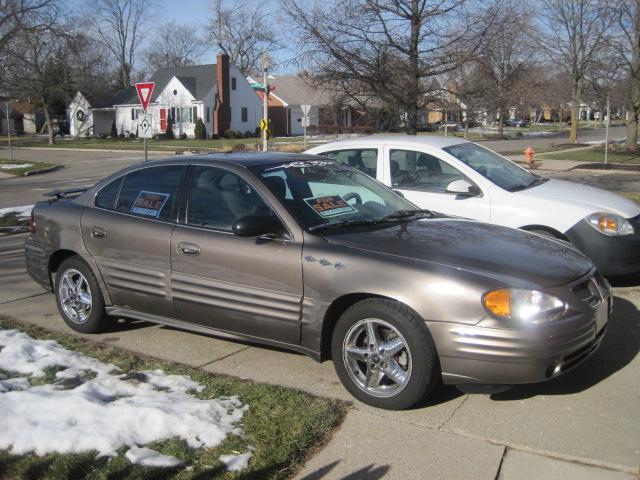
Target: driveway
582, 425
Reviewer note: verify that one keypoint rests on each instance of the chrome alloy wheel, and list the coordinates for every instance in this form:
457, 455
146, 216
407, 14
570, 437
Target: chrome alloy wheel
377, 357
74, 294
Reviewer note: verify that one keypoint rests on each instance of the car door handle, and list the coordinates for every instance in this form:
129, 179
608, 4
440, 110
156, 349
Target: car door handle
98, 232
185, 248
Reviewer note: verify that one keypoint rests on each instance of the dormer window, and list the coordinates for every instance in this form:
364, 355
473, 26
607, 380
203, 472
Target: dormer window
233, 83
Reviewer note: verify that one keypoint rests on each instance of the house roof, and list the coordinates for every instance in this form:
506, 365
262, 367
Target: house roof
197, 79
298, 90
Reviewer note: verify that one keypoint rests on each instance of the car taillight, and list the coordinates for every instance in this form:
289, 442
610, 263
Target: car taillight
31, 223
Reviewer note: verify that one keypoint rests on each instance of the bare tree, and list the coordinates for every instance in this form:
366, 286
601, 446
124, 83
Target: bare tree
174, 45
18, 16
574, 34
393, 47
506, 61
37, 69
121, 26
627, 44
243, 31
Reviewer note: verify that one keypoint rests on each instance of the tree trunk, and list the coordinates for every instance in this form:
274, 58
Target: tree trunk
48, 122
575, 110
632, 128
500, 122
414, 68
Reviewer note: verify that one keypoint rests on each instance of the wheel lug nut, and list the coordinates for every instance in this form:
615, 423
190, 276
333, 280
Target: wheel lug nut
384, 365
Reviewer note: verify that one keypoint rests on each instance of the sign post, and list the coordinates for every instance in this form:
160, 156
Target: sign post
9, 133
305, 120
145, 90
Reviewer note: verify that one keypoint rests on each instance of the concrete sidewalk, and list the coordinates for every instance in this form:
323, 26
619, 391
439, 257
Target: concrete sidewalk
584, 425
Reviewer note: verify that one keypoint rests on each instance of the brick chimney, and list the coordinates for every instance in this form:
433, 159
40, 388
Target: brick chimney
222, 110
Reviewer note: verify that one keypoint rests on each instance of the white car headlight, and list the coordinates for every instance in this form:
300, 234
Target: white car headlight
525, 305
610, 224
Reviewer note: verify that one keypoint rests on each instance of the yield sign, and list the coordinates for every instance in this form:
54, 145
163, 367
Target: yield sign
145, 90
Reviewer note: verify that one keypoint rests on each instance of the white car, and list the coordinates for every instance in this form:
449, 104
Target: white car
462, 178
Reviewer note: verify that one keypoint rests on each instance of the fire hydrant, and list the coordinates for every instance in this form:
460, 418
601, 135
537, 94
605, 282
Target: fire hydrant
528, 156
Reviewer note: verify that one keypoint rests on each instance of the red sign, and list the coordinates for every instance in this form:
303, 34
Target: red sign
145, 90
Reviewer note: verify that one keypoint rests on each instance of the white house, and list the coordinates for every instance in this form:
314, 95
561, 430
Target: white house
217, 93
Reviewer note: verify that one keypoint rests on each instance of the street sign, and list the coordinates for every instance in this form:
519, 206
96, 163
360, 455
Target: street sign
305, 109
145, 90
305, 122
144, 126
263, 124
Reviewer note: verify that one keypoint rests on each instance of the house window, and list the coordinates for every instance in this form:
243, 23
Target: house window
172, 114
208, 116
133, 114
233, 83
186, 115
245, 113
194, 115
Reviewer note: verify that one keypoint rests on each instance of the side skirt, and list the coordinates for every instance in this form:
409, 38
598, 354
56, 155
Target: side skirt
192, 327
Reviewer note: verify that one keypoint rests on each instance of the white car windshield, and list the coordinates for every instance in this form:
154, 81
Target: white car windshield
492, 166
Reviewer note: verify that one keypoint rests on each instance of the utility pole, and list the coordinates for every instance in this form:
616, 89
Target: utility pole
9, 132
606, 133
266, 63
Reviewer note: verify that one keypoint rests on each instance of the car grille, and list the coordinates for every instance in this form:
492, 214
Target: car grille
592, 290
626, 262
574, 358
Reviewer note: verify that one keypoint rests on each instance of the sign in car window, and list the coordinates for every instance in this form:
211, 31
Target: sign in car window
149, 204
330, 206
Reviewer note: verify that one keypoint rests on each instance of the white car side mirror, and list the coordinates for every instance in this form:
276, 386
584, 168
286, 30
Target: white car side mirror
462, 187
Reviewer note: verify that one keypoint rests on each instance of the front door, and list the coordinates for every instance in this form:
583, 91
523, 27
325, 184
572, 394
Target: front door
423, 178
128, 232
251, 286
163, 119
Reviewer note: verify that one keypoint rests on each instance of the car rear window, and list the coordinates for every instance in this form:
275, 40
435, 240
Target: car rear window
106, 197
150, 192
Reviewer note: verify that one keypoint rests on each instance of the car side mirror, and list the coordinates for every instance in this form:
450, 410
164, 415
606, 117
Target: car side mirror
463, 188
256, 226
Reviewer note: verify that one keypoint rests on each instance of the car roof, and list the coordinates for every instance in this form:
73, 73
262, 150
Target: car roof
383, 139
245, 159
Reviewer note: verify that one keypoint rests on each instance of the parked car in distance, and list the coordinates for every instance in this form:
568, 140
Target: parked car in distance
308, 254
515, 122
461, 178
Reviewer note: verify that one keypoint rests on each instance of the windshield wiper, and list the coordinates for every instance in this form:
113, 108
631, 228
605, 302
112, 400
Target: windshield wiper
535, 182
406, 213
398, 215
343, 223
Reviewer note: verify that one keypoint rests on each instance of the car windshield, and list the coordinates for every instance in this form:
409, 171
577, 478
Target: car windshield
323, 194
492, 166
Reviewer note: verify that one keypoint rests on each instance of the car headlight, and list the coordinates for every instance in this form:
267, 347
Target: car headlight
524, 305
610, 224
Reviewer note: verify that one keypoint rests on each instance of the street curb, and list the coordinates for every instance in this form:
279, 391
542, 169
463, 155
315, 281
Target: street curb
610, 167
62, 149
43, 170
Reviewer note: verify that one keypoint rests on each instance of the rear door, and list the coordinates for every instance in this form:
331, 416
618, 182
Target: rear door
251, 286
128, 232
423, 177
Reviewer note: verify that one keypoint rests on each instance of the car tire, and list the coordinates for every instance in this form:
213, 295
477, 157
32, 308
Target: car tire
79, 297
544, 233
372, 374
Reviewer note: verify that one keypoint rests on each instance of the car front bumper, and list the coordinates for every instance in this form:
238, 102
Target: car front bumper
487, 354
612, 255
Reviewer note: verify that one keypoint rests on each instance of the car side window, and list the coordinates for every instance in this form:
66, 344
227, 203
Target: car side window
150, 192
106, 197
421, 171
364, 159
217, 198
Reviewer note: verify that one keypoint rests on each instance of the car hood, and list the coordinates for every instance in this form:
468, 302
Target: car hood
591, 198
499, 252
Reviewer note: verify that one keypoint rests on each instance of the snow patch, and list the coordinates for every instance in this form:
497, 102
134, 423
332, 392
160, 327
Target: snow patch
235, 463
24, 211
79, 413
11, 166
150, 458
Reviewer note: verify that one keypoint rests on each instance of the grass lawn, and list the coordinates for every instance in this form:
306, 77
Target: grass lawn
29, 166
283, 425
633, 196
594, 155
